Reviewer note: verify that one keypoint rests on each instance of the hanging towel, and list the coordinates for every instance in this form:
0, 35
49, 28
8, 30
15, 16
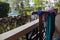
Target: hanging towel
50, 25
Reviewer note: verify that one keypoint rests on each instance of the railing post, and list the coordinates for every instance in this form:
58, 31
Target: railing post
40, 27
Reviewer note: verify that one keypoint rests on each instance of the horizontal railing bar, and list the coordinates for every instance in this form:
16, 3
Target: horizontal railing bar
17, 32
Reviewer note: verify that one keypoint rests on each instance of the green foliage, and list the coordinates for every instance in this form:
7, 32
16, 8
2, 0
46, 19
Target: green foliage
57, 4
39, 8
4, 9
38, 2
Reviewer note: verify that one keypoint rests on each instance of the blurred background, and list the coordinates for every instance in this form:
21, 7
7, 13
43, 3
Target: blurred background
19, 12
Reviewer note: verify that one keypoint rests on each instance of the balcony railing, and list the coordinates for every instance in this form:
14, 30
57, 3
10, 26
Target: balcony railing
19, 32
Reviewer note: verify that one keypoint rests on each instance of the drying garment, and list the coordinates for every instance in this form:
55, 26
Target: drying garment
39, 12
50, 26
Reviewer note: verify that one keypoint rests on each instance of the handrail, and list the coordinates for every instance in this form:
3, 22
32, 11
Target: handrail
18, 32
